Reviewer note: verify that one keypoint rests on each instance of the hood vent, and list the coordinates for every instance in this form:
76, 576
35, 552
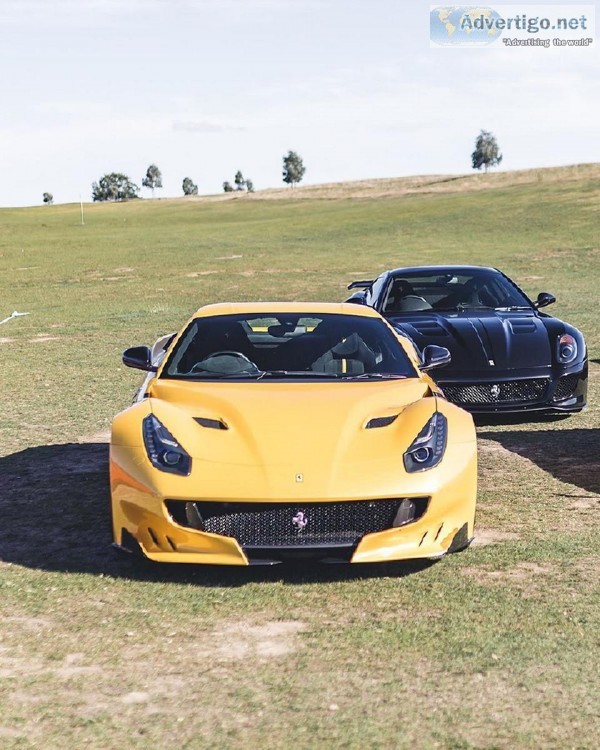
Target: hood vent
428, 328
213, 424
521, 325
380, 422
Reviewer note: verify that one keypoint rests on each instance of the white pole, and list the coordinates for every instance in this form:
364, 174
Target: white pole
81, 204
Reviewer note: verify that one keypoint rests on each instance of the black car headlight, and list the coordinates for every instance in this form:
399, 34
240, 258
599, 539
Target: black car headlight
428, 447
566, 349
163, 450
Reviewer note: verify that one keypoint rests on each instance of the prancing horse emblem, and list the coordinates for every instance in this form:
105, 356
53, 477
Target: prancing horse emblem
495, 391
299, 520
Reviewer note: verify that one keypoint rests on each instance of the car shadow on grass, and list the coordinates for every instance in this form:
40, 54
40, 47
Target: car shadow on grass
54, 515
572, 456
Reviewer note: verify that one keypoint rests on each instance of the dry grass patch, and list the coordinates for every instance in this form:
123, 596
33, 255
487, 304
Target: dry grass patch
529, 578
483, 537
234, 641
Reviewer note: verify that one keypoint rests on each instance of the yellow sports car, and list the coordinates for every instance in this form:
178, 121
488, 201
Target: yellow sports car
274, 431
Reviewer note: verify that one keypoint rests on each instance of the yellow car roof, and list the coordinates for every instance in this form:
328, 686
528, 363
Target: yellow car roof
231, 308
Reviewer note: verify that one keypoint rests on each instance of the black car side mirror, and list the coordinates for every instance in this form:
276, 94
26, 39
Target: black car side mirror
544, 299
435, 356
139, 357
358, 298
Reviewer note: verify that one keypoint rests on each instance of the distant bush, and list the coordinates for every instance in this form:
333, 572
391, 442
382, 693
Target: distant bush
114, 187
227, 187
48, 199
189, 187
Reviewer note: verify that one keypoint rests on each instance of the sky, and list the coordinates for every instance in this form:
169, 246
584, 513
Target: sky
203, 88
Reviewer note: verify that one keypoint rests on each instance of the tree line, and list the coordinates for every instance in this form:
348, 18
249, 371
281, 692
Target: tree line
117, 186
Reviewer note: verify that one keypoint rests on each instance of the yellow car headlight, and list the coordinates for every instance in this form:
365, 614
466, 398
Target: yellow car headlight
427, 449
164, 452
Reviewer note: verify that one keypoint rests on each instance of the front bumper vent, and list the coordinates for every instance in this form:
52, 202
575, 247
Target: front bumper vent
530, 389
285, 525
565, 387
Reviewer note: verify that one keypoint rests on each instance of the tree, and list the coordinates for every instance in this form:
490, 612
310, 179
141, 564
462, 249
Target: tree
48, 199
188, 186
114, 187
249, 186
240, 182
486, 154
153, 178
293, 168
227, 187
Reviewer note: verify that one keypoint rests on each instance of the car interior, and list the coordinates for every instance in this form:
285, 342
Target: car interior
331, 345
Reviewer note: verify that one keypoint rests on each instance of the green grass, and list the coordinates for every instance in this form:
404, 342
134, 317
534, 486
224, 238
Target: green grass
495, 648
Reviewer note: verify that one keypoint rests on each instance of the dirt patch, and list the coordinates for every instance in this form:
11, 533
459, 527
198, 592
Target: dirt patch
11, 667
97, 437
589, 568
195, 274
241, 641
491, 447
135, 697
587, 503
71, 667
41, 339
229, 257
25, 666
6, 340
484, 537
34, 624
528, 578
10, 733
522, 572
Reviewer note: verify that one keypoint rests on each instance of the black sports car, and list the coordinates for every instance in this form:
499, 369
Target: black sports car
506, 355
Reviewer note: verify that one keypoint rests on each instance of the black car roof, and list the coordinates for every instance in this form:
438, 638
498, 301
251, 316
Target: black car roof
440, 269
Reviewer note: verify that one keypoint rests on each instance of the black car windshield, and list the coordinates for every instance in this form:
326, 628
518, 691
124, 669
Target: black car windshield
283, 346
463, 289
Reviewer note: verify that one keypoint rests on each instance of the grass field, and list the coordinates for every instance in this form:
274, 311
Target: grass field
496, 648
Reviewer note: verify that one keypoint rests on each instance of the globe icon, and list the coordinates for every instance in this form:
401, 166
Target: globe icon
463, 26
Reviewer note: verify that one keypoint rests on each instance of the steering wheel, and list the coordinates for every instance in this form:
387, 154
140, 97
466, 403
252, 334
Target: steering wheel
211, 363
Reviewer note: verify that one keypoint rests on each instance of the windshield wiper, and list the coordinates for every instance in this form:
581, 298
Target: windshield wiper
513, 307
207, 375
460, 308
295, 374
375, 376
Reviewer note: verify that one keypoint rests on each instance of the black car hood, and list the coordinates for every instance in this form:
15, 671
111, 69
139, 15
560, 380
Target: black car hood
481, 341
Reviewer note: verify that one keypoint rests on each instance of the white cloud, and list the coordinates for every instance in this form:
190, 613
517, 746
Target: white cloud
204, 126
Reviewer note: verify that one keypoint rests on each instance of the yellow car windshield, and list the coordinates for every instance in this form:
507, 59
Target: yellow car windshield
287, 345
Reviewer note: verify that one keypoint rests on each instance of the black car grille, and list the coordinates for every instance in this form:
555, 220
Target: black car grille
532, 389
565, 387
295, 524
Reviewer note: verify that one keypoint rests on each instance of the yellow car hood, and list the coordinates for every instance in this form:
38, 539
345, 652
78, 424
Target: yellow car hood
286, 440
